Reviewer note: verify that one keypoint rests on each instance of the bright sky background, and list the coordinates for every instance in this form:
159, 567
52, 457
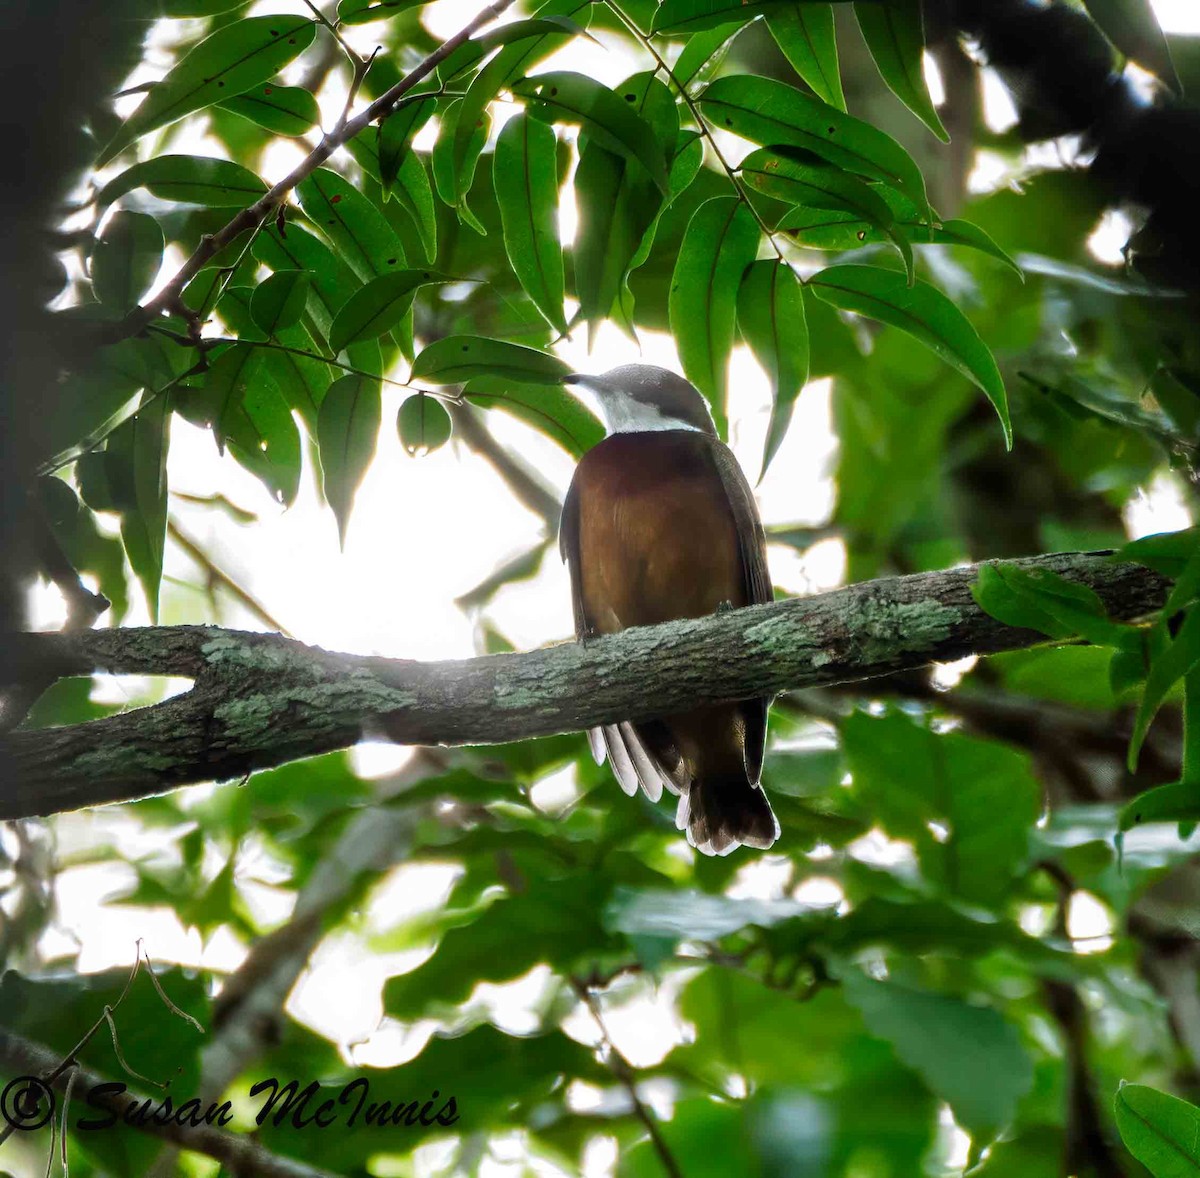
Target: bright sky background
423, 532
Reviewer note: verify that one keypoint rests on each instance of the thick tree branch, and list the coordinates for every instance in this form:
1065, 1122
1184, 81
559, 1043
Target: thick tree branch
260, 700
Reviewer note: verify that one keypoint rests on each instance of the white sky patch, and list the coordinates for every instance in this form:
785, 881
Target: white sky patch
1177, 16
999, 110
1108, 239
933, 79
1160, 507
1089, 924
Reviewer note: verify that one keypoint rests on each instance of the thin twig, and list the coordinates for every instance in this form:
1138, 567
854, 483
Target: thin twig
269, 201
353, 57
623, 1070
218, 576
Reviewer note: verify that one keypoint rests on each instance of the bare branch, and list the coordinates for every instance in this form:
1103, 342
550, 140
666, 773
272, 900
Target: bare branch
261, 700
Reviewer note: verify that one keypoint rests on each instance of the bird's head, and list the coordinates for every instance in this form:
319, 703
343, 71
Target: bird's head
637, 398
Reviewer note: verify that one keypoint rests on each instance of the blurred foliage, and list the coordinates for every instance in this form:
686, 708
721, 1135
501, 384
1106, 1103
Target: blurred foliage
901, 987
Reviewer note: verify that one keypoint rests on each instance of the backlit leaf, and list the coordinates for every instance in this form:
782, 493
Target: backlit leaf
286, 110
806, 37
126, 259
1161, 1131
193, 178
347, 430
358, 230
720, 242
458, 358
1132, 26
692, 16
423, 425
379, 306
770, 314
550, 410
561, 96
773, 114
925, 313
279, 301
226, 63
396, 135
895, 34
525, 174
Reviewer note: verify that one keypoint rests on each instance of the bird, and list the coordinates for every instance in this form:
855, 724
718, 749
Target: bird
659, 523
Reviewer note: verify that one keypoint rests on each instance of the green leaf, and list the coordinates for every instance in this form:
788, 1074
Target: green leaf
423, 425
379, 306
562, 96
805, 35
694, 916
525, 175
278, 302
1168, 553
226, 63
229, 377
1177, 802
126, 259
776, 115
347, 430
552, 411
361, 12
458, 358
1179, 658
1134, 29
703, 54
797, 179
196, 179
414, 194
1042, 600
894, 31
453, 172
969, 1055
395, 137
286, 110
925, 313
1161, 1131
966, 805
720, 243
358, 230
770, 314
694, 16
619, 204
135, 463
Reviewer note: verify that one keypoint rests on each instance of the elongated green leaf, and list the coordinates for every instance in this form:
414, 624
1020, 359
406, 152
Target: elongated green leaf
1161, 1131
618, 203
286, 110
358, 230
361, 12
410, 189
1177, 802
126, 259
552, 411
969, 1055
1133, 28
229, 378
770, 314
452, 180
895, 34
458, 358
395, 137
525, 175
720, 242
347, 431
1176, 661
379, 306
693, 16
926, 314
774, 114
798, 180
225, 64
278, 303
703, 54
193, 178
562, 96
136, 466
1168, 553
806, 37
261, 434
423, 425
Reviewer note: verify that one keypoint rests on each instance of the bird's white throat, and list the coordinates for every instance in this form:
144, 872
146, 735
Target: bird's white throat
624, 414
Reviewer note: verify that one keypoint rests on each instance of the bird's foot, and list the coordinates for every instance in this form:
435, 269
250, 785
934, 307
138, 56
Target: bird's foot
725, 607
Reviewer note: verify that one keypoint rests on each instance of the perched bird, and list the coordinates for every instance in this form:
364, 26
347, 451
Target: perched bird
660, 523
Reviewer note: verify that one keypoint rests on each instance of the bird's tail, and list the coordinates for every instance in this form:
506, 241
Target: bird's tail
723, 811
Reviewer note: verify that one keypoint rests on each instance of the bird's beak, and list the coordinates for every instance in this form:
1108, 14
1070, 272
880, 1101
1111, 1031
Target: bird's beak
574, 378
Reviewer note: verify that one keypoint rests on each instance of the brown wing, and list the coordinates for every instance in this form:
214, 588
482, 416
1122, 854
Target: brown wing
623, 744
752, 548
